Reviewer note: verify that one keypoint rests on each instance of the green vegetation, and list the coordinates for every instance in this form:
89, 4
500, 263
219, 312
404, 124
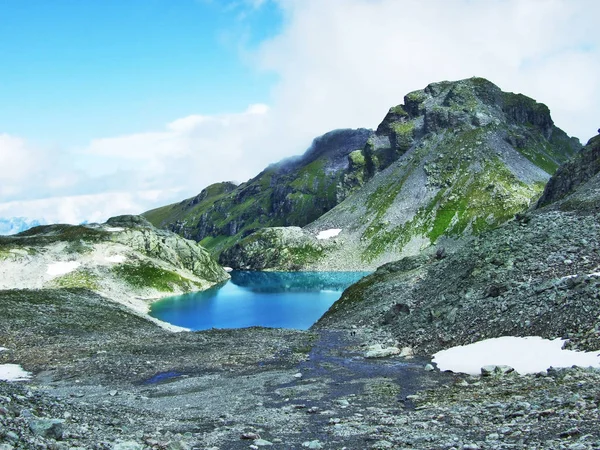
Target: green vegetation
78, 279
399, 111
219, 217
382, 389
146, 274
466, 201
403, 134
357, 159
462, 97
415, 97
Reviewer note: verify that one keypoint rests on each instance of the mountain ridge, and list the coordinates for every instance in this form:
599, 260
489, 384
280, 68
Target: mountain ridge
538, 275
455, 159
294, 191
126, 260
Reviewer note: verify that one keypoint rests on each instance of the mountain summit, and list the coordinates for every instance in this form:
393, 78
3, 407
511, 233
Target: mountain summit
455, 159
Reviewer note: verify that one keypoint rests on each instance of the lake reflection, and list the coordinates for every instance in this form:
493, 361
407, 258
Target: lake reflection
268, 299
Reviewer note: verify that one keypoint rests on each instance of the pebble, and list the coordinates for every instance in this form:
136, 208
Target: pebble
127, 445
316, 444
251, 436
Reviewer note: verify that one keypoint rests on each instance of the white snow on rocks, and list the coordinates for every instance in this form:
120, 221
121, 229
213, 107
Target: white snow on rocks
114, 229
326, 234
530, 354
227, 269
62, 267
2, 349
13, 372
115, 258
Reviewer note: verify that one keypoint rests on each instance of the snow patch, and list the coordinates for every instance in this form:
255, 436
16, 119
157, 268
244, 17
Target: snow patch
62, 267
326, 234
115, 258
228, 269
530, 354
13, 372
114, 229
2, 349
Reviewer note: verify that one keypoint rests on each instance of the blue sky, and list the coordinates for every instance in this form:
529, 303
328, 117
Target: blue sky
77, 69
117, 106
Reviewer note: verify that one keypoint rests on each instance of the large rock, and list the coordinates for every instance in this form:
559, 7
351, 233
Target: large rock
48, 428
379, 351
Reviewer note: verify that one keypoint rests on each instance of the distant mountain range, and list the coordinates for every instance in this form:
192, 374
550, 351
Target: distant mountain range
16, 225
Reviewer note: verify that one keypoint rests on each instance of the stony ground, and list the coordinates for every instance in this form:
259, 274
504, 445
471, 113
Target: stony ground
536, 276
115, 381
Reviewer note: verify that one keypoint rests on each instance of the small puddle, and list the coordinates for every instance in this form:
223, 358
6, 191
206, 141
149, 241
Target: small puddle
330, 358
162, 377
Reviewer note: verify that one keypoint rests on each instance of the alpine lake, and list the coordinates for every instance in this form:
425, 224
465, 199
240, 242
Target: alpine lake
267, 299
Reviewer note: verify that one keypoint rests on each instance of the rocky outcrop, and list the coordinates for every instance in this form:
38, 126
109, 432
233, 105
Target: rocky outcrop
578, 170
456, 159
126, 259
282, 248
293, 192
536, 276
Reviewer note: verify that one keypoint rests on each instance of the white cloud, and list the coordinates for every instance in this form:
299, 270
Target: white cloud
91, 208
344, 62
133, 173
339, 64
18, 162
191, 152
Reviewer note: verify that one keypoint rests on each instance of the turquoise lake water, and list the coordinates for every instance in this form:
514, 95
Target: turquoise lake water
268, 299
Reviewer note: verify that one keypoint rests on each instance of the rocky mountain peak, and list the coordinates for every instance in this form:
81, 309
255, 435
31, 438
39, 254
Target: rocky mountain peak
212, 191
456, 159
468, 103
334, 147
461, 106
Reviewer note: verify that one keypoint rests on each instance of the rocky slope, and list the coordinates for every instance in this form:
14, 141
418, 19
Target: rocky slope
295, 191
537, 275
577, 171
457, 158
106, 379
126, 259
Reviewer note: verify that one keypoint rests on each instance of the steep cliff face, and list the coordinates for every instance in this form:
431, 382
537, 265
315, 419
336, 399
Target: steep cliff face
457, 158
125, 259
293, 192
577, 171
537, 275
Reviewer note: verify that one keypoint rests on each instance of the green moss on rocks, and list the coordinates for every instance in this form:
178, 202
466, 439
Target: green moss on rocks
399, 111
357, 159
78, 279
146, 274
